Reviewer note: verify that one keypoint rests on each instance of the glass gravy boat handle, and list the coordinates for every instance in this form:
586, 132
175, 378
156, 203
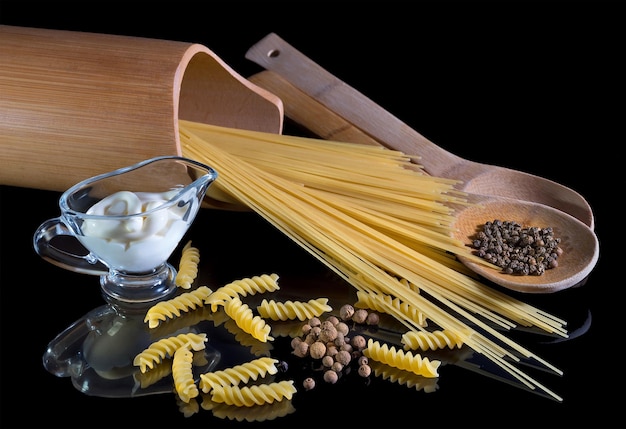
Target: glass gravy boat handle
55, 243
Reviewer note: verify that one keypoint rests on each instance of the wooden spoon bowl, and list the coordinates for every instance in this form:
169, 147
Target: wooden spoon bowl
579, 243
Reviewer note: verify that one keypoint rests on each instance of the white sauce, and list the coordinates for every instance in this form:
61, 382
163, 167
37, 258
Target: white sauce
134, 243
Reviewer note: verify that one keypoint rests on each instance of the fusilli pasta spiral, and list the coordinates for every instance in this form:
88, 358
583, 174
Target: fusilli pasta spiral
165, 347
188, 266
290, 310
235, 375
389, 305
182, 372
434, 340
171, 308
400, 359
243, 287
248, 396
405, 378
244, 317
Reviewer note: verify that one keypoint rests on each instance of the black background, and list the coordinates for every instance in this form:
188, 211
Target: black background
534, 86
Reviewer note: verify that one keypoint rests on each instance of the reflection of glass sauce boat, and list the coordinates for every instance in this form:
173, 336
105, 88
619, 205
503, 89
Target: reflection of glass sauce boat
129, 222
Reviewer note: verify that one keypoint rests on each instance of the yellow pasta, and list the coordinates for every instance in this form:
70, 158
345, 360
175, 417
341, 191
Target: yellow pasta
372, 217
171, 308
237, 374
247, 396
182, 372
434, 340
257, 348
243, 287
244, 317
393, 306
402, 377
402, 360
291, 310
188, 266
166, 347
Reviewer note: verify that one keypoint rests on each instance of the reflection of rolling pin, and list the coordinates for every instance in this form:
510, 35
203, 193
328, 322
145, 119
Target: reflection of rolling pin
77, 104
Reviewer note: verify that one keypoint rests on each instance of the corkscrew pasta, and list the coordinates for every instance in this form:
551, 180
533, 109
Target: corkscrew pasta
171, 308
237, 374
188, 266
182, 372
290, 310
248, 396
241, 288
257, 348
247, 321
401, 360
393, 306
402, 377
165, 347
434, 340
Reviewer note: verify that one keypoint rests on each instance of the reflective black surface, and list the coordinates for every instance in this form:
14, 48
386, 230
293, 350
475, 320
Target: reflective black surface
533, 87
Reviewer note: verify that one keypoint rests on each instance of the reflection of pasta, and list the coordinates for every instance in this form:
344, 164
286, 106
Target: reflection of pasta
248, 396
167, 347
188, 266
237, 374
171, 308
290, 310
182, 372
247, 321
188, 408
401, 360
387, 304
158, 372
243, 287
257, 348
256, 413
431, 340
402, 377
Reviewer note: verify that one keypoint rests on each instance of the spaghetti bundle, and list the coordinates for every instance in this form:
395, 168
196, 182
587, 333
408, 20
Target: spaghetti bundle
378, 221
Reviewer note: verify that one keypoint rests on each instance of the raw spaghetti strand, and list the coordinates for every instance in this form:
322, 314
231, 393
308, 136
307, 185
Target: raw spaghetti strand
328, 232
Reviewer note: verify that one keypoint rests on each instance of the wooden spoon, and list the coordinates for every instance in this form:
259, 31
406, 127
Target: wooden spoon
358, 111
579, 243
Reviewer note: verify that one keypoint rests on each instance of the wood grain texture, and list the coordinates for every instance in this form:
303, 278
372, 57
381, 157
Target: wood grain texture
77, 104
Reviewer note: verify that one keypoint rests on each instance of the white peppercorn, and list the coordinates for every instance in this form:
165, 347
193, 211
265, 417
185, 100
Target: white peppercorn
308, 383
317, 350
337, 366
372, 319
314, 321
343, 328
358, 342
333, 319
301, 349
328, 361
360, 316
346, 311
365, 370
331, 376
328, 333
343, 357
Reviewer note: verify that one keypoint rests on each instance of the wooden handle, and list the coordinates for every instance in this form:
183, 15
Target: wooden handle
309, 113
77, 104
275, 54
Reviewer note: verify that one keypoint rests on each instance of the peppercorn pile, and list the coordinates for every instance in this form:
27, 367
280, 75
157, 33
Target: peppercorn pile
518, 250
329, 342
